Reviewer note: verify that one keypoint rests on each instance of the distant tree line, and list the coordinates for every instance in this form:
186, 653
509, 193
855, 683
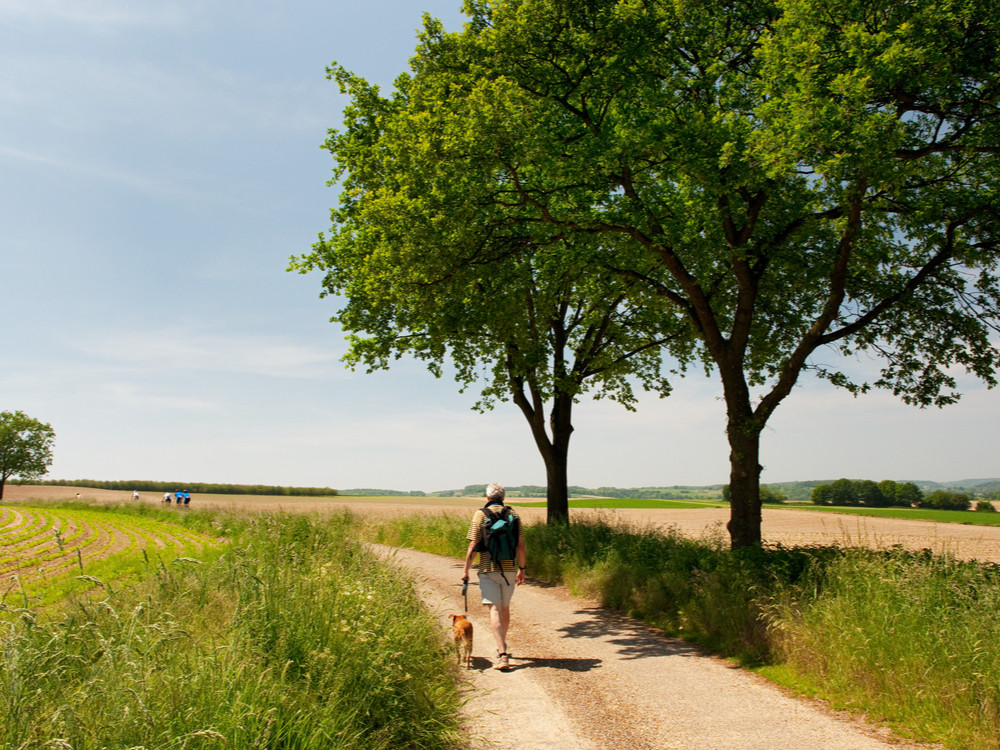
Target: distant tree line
887, 493
204, 488
641, 493
372, 492
768, 495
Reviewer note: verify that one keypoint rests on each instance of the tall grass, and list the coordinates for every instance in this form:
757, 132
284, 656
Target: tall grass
293, 638
912, 639
436, 533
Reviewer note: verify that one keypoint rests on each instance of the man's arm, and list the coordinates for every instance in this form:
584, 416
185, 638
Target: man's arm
469, 554
522, 559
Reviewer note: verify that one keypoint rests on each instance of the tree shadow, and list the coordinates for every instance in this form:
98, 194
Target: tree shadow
634, 639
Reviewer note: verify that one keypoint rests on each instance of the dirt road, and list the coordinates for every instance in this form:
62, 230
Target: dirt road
583, 678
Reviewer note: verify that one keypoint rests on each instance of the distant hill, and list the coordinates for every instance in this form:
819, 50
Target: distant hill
981, 486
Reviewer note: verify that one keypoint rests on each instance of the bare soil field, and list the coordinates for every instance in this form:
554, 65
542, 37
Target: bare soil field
787, 527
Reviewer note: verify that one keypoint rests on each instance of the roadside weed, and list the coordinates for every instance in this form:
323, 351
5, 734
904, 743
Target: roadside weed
293, 637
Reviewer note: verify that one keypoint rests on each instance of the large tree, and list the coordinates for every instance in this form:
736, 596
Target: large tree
516, 308
799, 181
25, 447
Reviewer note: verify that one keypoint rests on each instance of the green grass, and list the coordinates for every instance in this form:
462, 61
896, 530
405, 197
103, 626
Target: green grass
914, 639
292, 637
65, 547
908, 639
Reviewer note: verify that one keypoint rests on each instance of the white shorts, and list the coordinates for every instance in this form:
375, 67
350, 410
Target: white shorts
495, 590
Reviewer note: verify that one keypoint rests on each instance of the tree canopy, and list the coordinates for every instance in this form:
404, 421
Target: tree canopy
526, 313
531, 325
787, 184
25, 447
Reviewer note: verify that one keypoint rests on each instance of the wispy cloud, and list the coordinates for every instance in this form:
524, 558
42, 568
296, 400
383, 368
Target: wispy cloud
165, 184
97, 15
131, 397
182, 349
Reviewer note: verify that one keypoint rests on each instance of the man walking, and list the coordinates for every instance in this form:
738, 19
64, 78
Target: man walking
496, 526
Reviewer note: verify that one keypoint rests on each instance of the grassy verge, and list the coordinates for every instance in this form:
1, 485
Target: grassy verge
913, 638
910, 639
293, 637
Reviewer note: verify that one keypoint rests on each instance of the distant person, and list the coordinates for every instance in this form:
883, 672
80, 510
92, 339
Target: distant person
496, 526
135, 494
167, 497
187, 497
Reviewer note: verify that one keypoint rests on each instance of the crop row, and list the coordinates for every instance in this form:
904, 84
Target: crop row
38, 545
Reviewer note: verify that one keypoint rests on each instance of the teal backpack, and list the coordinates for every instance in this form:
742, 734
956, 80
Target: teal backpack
500, 534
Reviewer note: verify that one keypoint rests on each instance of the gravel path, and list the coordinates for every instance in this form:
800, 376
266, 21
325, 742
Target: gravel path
584, 678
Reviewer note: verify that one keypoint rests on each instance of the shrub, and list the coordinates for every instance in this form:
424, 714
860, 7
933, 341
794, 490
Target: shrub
945, 500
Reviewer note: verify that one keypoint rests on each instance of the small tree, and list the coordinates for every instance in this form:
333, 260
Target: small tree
768, 495
843, 492
945, 500
870, 494
889, 490
908, 495
25, 447
820, 495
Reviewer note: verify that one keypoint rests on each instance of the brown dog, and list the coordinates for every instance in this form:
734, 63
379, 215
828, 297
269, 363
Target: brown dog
462, 633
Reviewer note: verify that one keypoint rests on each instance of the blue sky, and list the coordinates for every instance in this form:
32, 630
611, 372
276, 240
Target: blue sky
159, 163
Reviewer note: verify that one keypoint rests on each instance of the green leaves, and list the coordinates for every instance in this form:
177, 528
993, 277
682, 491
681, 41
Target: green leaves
749, 183
25, 447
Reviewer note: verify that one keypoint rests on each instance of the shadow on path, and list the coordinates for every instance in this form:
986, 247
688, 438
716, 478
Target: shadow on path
634, 640
481, 663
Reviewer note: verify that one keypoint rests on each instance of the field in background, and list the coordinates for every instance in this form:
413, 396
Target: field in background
788, 525
47, 553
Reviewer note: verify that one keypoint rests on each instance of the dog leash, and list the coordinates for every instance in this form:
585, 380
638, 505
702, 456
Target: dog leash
465, 594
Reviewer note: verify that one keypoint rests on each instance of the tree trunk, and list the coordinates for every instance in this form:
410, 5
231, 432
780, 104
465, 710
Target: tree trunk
743, 429
557, 461
744, 488
557, 488
555, 449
